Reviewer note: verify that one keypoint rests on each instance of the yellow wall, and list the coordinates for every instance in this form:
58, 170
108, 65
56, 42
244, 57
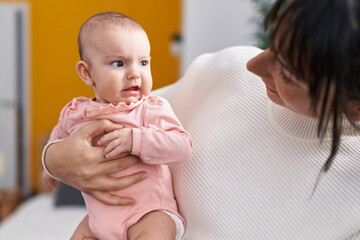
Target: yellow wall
54, 28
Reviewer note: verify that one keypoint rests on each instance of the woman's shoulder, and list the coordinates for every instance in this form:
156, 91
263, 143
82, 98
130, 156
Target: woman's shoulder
230, 54
223, 68
240, 51
230, 60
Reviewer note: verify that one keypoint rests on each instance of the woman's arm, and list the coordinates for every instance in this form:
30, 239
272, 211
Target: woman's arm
77, 162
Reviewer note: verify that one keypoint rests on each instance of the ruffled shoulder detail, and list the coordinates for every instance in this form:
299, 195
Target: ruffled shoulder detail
155, 100
84, 108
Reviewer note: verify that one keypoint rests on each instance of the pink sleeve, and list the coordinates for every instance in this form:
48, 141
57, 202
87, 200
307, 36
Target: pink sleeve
60, 131
162, 140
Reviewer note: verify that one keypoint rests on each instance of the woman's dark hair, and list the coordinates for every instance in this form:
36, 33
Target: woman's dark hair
320, 42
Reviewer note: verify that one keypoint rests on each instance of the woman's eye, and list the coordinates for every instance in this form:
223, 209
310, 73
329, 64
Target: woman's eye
284, 76
117, 64
143, 63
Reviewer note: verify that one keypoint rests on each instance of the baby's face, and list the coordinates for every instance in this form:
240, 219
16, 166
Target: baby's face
119, 62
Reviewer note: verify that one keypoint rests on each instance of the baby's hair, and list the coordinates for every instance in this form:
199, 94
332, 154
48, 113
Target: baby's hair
104, 20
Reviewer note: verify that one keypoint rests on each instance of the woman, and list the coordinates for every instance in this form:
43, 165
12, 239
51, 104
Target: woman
291, 169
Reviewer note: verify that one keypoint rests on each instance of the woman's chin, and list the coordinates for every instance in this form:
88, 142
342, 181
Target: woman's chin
275, 98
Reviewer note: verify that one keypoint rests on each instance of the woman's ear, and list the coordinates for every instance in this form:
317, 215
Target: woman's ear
83, 70
354, 112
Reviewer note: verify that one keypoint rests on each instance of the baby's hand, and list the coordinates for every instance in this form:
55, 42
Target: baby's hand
50, 183
117, 142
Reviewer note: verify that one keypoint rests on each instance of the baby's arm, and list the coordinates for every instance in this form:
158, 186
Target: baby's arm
118, 142
50, 182
162, 139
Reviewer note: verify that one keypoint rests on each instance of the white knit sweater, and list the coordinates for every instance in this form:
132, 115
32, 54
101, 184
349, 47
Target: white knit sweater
255, 163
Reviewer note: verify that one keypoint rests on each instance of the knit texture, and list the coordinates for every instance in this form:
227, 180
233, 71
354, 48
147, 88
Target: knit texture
254, 163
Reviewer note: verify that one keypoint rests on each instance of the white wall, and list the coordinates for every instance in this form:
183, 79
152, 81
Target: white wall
211, 25
14, 98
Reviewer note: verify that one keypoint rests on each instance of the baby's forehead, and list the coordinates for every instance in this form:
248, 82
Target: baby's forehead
105, 41
92, 35
105, 22
101, 28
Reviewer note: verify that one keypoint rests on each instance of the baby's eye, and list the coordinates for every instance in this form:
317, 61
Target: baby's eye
117, 64
144, 63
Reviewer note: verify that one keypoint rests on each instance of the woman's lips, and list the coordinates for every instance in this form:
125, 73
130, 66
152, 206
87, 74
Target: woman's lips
271, 90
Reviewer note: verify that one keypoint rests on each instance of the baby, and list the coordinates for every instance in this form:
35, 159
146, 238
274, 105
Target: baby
115, 61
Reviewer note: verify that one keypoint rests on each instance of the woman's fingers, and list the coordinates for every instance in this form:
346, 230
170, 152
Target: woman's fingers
118, 164
115, 184
106, 183
77, 162
100, 127
109, 199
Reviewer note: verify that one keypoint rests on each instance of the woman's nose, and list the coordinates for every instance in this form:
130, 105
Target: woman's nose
262, 64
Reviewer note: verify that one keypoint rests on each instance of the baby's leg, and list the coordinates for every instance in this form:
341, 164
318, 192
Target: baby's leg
155, 225
83, 231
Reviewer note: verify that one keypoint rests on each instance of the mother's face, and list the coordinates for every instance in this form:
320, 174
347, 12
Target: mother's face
281, 86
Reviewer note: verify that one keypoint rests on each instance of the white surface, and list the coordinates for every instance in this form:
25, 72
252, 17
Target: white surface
39, 219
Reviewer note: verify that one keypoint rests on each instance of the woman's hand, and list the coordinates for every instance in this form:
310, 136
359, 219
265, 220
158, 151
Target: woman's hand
77, 162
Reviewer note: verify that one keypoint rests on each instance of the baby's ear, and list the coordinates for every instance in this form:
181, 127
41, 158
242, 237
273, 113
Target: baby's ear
83, 70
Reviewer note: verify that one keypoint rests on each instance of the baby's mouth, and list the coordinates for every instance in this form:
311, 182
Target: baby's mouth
132, 89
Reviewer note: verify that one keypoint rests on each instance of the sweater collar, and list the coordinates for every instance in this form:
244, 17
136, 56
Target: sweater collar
301, 127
